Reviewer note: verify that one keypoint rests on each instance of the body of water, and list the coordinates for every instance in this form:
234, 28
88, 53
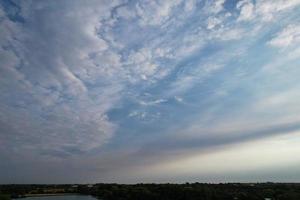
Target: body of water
63, 197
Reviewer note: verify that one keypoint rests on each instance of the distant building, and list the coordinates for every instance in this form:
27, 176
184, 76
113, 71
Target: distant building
90, 186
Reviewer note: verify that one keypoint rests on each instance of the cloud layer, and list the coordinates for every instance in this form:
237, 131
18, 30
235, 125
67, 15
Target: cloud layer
110, 87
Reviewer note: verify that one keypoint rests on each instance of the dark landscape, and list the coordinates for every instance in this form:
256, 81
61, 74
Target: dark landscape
187, 191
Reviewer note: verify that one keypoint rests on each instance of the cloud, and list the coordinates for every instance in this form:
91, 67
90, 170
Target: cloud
228, 34
96, 86
155, 12
49, 86
189, 5
179, 99
142, 63
155, 102
290, 35
215, 6
268, 9
250, 157
212, 22
246, 10
263, 10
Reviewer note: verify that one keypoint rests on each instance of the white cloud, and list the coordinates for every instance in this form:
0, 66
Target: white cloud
263, 10
142, 63
246, 10
290, 35
126, 12
73, 62
212, 22
215, 6
155, 12
268, 9
287, 100
281, 64
151, 103
178, 99
163, 53
144, 116
197, 75
189, 5
226, 34
47, 65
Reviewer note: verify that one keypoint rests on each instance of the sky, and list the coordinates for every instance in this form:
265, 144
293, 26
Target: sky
133, 91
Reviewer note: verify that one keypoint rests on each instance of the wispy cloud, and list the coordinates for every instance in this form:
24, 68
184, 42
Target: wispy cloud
288, 36
137, 83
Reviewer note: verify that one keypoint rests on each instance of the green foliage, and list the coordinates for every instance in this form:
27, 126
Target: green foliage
194, 191
4, 197
289, 196
188, 191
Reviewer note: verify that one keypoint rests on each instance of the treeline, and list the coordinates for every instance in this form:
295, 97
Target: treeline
4, 197
19, 190
195, 191
188, 191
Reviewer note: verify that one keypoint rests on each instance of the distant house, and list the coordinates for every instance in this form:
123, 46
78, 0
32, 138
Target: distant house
90, 186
